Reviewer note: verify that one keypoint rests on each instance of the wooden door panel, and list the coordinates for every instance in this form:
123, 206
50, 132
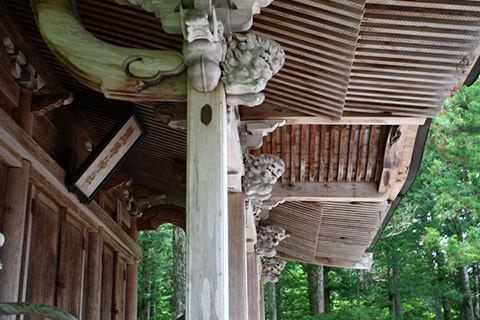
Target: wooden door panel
71, 267
43, 255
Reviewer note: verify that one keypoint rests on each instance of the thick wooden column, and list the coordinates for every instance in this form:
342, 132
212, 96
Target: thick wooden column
253, 283
207, 223
94, 276
237, 256
132, 279
13, 225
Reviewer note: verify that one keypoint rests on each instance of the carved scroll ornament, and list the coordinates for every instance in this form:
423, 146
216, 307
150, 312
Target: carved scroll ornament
261, 173
271, 269
119, 72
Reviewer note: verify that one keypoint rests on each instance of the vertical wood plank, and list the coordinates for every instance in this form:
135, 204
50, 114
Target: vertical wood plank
333, 149
303, 152
294, 153
132, 276
342, 161
253, 286
42, 271
352, 146
94, 276
13, 225
107, 284
381, 151
237, 256
207, 212
71, 267
323, 153
23, 113
314, 139
372, 145
361, 156
275, 149
285, 153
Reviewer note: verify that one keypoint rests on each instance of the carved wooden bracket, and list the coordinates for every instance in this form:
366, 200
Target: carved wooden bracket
271, 269
253, 131
268, 239
118, 72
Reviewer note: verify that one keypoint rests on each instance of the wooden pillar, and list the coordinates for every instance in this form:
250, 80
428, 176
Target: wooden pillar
207, 223
237, 256
23, 113
132, 279
261, 300
253, 281
14, 217
94, 276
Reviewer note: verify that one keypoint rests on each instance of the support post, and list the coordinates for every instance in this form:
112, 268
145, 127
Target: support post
253, 283
132, 276
24, 112
14, 218
237, 256
207, 224
94, 276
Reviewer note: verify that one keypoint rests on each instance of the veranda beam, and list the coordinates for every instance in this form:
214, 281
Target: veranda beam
328, 191
207, 223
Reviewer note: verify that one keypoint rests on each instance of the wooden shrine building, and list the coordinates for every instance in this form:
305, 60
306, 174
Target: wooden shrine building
267, 130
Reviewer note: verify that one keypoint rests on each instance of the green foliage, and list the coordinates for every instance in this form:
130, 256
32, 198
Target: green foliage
155, 278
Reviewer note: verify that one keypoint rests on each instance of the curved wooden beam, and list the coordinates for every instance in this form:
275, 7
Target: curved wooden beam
119, 72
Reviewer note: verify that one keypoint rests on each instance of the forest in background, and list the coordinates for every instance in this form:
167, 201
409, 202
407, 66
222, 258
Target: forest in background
426, 265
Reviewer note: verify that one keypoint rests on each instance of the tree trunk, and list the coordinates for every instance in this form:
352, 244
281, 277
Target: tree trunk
327, 290
476, 282
467, 297
272, 301
447, 309
178, 297
320, 289
312, 278
437, 306
316, 290
149, 299
396, 298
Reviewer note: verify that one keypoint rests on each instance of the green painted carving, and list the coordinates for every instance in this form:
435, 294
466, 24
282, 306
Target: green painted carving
118, 72
34, 309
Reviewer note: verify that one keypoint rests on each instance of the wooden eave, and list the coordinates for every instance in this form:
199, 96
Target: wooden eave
354, 70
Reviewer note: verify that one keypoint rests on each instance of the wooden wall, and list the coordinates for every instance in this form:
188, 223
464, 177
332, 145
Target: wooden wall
55, 264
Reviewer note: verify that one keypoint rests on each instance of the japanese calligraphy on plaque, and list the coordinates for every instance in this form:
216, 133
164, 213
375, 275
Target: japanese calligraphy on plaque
107, 156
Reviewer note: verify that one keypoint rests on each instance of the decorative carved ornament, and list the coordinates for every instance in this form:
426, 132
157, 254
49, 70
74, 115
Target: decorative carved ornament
253, 131
251, 61
261, 173
22, 71
268, 239
271, 269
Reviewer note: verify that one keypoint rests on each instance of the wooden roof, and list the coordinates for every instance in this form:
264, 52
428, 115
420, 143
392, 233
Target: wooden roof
377, 61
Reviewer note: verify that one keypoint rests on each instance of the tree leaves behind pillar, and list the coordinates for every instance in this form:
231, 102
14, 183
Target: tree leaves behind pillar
179, 272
